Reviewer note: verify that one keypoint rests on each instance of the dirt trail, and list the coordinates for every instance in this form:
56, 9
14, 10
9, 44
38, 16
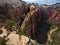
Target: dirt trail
50, 33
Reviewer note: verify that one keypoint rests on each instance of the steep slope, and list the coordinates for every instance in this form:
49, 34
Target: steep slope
13, 9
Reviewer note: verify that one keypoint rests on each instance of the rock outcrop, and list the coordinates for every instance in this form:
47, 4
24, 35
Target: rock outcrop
14, 39
30, 22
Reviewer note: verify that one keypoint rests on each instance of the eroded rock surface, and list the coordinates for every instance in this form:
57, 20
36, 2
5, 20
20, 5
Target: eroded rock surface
31, 20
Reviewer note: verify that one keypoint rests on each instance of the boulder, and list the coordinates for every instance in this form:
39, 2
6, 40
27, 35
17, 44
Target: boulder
13, 39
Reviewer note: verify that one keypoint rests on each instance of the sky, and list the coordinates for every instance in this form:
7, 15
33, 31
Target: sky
43, 1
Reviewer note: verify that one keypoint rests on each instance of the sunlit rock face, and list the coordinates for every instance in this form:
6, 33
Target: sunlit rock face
32, 7
13, 39
24, 40
4, 32
32, 19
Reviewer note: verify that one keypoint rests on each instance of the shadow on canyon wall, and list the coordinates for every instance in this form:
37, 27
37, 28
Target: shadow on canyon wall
41, 32
42, 29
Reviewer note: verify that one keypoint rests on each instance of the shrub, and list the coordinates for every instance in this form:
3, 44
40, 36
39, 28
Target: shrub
51, 43
20, 31
9, 24
52, 26
2, 41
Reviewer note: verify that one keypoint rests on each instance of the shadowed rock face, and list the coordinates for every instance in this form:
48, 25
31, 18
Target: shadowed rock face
34, 27
41, 32
37, 27
51, 15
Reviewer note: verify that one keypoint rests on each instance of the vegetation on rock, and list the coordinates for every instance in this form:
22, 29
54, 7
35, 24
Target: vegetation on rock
9, 24
20, 31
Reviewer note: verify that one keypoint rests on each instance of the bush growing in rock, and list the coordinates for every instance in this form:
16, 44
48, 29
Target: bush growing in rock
9, 24
2, 41
20, 31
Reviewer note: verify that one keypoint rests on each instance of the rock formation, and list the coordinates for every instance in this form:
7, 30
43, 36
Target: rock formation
31, 20
14, 39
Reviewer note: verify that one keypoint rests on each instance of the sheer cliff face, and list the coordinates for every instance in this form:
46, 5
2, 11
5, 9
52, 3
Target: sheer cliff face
36, 25
31, 20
